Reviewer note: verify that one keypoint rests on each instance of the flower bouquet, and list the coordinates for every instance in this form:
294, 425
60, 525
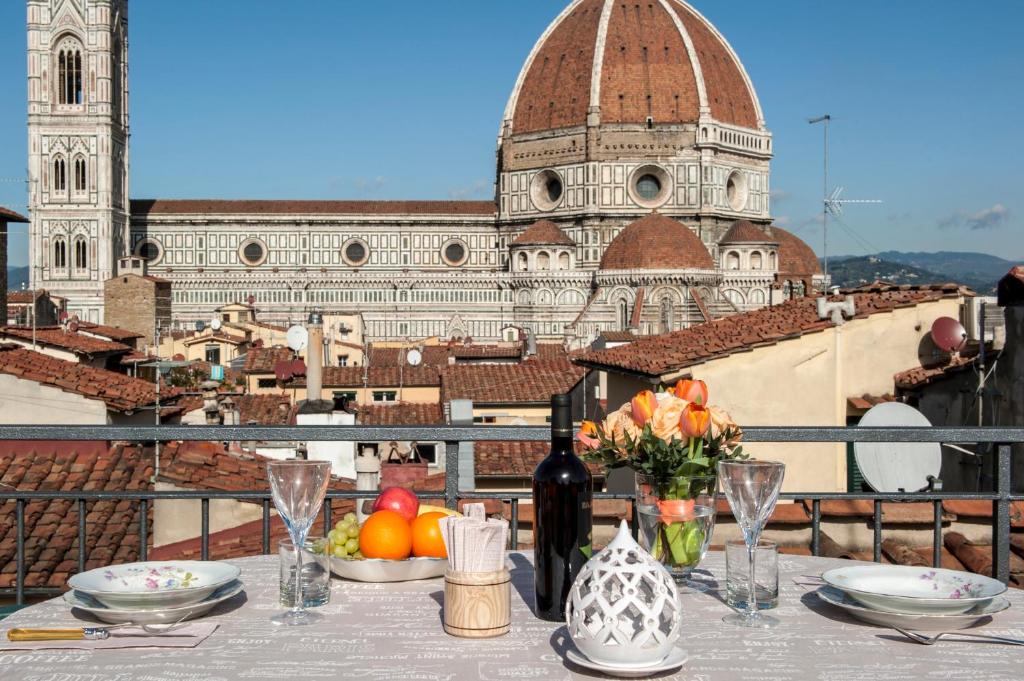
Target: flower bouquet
673, 441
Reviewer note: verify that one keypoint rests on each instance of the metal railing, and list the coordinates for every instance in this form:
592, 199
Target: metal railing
1000, 439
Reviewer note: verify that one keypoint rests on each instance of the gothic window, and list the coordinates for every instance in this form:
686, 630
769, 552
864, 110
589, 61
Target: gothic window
69, 73
60, 175
757, 297
543, 261
623, 314
81, 254
666, 314
734, 297
523, 262
563, 261
60, 253
80, 174
772, 262
755, 260
732, 260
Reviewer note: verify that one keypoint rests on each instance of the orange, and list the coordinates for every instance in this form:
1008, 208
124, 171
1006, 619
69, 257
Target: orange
426, 536
386, 534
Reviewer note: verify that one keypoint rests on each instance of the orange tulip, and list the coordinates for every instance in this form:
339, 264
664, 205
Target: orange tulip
695, 420
644, 405
692, 391
674, 510
588, 435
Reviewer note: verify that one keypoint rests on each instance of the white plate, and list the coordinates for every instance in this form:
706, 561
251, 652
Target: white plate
907, 621
154, 584
163, 616
673, 660
380, 570
914, 590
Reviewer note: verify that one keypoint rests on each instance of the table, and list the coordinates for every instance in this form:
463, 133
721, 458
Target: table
393, 631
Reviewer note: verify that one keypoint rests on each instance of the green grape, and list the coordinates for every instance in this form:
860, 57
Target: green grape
352, 531
339, 551
350, 518
352, 545
337, 536
358, 555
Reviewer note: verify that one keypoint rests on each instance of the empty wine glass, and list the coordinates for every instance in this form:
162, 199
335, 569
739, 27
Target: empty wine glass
752, 488
299, 488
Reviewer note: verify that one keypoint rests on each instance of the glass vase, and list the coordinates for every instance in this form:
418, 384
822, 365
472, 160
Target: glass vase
676, 519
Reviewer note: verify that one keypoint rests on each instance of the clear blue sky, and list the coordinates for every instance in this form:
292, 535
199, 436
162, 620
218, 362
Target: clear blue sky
328, 99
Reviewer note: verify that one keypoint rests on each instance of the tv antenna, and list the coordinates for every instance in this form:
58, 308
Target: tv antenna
832, 204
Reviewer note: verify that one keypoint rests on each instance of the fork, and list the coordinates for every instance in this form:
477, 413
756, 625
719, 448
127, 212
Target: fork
931, 640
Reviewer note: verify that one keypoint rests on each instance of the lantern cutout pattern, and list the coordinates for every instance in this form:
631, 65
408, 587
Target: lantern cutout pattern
624, 606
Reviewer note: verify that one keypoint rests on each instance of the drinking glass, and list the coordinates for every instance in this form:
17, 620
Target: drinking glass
316, 573
752, 488
299, 488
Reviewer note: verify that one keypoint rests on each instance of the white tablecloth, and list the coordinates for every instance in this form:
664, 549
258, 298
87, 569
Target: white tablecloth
393, 631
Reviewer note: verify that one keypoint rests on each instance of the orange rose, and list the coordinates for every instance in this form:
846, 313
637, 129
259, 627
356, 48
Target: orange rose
721, 422
692, 391
695, 420
665, 422
644, 405
674, 510
588, 435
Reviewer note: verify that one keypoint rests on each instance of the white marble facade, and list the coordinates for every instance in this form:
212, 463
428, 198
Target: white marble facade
411, 269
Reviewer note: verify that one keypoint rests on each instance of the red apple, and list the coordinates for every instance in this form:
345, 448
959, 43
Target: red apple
400, 500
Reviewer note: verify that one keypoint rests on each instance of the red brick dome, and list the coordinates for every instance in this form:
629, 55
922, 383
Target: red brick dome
746, 232
631, 61
543, 233
657, 242
795, 256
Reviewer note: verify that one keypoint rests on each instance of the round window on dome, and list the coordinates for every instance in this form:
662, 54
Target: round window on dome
149, 250
454, 253
546, 190
252, 252
355, 252
650, 186
736, 190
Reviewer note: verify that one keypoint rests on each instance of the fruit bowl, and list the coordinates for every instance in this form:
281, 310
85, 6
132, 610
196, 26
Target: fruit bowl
380, 570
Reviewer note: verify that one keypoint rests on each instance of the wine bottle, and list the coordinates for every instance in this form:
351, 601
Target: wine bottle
562, 493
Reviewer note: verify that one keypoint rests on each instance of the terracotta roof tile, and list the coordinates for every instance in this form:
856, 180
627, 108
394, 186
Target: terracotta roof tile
745, 231
118, 391
496, 458
78, 343
656, 242
8, 215
399, 414
543, 233
264, 360
113, 333
147, 207
919, 377
529, 382
654, 356
265, 410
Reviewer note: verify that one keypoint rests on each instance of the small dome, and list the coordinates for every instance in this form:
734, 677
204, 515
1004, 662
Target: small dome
657, 242
795, 256
661, 60
746, 232
543, 233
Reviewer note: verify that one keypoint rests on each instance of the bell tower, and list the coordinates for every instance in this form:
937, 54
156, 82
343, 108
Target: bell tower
77, 147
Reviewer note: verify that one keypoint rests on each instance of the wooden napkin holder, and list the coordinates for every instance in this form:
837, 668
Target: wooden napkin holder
477, 604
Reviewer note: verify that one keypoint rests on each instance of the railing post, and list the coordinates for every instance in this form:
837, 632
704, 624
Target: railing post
1001, 515
19, 566
451, 475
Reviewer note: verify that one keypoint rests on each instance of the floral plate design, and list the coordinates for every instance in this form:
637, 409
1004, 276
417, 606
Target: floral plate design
154, 584
914, 590
881, 618
86, 603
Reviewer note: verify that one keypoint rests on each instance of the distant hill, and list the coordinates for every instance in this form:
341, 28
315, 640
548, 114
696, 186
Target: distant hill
980, 271
16, 276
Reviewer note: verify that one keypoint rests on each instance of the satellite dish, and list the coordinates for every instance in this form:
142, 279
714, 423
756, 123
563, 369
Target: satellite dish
215, 324
414, 358
897, 466
949, 334
297, 337
200, 326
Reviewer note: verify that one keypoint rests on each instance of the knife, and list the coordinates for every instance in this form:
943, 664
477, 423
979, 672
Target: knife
76, 634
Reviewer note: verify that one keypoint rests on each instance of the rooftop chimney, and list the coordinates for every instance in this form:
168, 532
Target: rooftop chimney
315, 357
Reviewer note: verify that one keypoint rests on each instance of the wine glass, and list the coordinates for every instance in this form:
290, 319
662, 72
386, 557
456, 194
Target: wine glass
752, 488
299, 488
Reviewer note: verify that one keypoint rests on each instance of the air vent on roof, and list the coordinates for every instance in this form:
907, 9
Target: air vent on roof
995, 322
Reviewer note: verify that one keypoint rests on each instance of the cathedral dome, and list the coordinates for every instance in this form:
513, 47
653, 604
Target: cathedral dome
656, 242
746, 232
649, 63
795, 256
543, 233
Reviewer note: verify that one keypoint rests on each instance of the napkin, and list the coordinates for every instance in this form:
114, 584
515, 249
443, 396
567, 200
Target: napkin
188, 636
474, 543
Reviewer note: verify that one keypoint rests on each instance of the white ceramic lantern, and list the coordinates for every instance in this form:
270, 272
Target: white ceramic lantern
624, 606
